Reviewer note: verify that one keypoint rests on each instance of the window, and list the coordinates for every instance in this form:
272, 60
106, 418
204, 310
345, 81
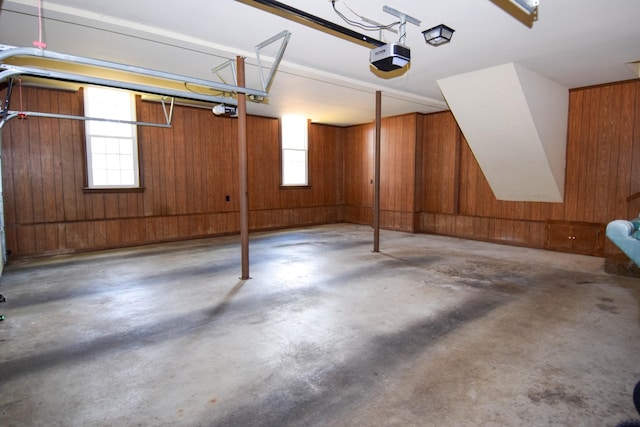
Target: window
112, 148
294, 151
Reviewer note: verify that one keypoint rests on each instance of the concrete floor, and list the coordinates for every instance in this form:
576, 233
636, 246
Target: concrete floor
432, 331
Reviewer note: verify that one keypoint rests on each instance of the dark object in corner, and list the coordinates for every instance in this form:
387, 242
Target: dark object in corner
636, 402
621, 265
636, 397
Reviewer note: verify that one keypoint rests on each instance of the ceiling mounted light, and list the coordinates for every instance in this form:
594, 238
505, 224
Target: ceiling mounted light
440, 34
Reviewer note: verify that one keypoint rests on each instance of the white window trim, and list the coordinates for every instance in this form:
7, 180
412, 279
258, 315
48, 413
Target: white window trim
134, 142
301, 144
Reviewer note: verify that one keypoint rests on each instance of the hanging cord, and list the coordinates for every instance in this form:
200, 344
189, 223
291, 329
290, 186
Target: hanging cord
39, 43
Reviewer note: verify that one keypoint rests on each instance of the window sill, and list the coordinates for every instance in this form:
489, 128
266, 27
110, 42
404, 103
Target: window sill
88, 190
294, 187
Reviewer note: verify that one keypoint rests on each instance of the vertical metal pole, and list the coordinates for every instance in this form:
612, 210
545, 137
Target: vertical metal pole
376, 178
242, 151
3, 240
3, 237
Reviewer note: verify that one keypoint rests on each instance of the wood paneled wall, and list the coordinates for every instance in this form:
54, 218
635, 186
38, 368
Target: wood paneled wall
398, 172
603, 152
358, 173
439, 163
430, 180
452, 197
272, 206
187, 172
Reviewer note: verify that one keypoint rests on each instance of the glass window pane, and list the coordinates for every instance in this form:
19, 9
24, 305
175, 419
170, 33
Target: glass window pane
125, 146
99, 177
110, 128
294, 150
97, 145
113, 162
294, 132
113, 177
294, 167
111, 147
98, 161
126, 162
126, 177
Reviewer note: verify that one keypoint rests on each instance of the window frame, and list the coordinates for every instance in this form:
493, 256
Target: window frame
137, 166
307, 129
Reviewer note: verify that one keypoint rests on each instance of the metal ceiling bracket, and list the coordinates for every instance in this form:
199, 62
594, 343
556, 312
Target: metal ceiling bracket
404, 18
231, 63
264, 81
167, 117
284, 36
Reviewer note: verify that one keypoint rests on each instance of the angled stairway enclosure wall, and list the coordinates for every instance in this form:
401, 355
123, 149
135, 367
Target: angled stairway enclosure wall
515, 122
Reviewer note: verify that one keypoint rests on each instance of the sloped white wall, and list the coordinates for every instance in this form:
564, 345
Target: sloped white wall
515, 122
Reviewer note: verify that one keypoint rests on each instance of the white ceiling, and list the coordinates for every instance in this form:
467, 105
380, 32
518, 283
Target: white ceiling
575, 43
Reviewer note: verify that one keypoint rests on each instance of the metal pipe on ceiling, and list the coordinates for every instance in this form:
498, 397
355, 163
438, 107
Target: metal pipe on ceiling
25, 114
10, 51
13, 70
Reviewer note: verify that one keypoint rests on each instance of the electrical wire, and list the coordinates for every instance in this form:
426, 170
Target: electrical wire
365, 19
360, 25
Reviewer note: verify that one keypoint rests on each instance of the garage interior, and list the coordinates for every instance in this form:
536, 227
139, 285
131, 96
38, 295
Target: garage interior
446, 262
